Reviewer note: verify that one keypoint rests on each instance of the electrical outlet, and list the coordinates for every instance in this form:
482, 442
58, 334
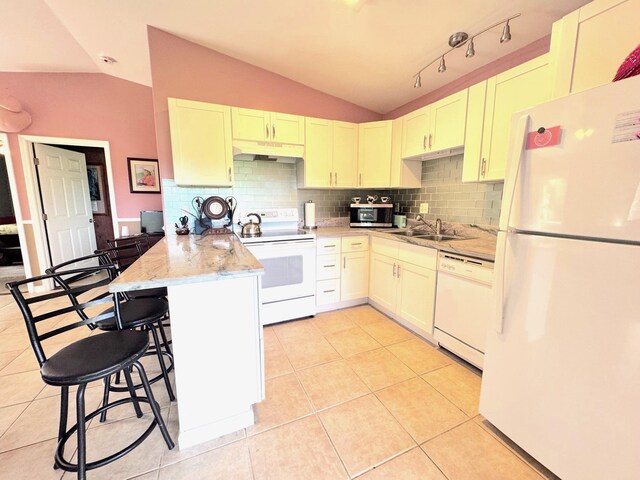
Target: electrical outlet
424, 208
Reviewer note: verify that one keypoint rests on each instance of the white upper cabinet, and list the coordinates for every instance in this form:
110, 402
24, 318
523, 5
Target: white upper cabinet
589, 44
259, 126
201, 143
491, 106
434, 130
331, 154
374, 154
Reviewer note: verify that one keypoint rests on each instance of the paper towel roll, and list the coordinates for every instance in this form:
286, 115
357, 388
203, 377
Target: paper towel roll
310, 214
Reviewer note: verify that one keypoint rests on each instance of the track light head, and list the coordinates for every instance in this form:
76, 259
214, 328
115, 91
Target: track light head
418, 83
442, 67
471, 49
506, 33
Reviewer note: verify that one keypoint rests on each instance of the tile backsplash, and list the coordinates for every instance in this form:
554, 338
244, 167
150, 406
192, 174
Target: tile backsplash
272, 184
449, 198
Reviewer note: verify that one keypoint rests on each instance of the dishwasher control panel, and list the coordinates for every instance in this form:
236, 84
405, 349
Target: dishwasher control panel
468, 267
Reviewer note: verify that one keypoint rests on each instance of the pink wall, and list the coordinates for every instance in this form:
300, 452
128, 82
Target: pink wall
522, 55
183, 69
91, 107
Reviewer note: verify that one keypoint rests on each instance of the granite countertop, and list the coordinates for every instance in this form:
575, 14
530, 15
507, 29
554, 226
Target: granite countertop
480, 242
177, 260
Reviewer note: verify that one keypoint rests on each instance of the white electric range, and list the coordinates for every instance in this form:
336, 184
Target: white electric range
288, 254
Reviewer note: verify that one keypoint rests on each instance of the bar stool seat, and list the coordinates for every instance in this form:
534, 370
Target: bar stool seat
94, 358
136, 313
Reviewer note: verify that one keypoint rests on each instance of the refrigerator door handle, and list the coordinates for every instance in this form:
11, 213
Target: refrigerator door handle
511, 179
500, 269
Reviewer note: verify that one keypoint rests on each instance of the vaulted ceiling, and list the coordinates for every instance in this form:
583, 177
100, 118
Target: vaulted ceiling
363, 51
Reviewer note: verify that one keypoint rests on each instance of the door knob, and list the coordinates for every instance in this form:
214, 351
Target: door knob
91, 220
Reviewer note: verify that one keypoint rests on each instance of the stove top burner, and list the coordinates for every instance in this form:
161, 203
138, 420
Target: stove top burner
276, 235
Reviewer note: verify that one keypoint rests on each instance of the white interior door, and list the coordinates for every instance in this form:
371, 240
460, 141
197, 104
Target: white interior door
65, 198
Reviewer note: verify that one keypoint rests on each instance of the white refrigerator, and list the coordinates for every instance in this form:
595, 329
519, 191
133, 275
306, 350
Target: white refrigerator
562, 362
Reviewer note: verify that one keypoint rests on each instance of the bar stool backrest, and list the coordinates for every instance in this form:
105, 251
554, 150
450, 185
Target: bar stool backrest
53, 313
122, 256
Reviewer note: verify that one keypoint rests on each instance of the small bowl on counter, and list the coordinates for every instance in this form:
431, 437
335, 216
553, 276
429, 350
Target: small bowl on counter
182, 231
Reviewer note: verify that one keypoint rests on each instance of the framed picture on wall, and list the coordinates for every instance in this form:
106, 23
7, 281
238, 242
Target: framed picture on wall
144, 175
95, 175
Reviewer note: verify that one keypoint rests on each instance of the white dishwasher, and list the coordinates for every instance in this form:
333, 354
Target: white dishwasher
464, 305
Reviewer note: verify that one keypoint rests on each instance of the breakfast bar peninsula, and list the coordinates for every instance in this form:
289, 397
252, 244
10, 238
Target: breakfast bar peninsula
213, 285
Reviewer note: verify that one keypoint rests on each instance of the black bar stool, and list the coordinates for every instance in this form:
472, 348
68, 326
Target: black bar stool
93, 358
146, 313
122, 252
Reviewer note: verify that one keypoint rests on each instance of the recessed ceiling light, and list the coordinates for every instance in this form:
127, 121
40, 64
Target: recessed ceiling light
107, 59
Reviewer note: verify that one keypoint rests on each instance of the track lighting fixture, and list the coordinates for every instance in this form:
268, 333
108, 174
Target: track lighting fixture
506, 33
471, 50
442, 67
461, 38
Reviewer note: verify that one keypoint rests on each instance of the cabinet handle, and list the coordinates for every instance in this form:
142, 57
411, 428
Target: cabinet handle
424, 142
344, 262
483, 168
360, 179
267, 131
273, 130
398, 270
330, 179
330, 266
328, 291
354, 244
330, 246
335, 181
394, 269
229, 173
430, 136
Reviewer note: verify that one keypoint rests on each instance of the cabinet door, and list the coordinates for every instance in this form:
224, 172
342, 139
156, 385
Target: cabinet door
416, 295
382, 281
354, 277
589, 44
521, 87
318, 153
250, 124
287, 128
345, 154
374, 154
404, 173
201, 143
471, 166
448, 121
415, 132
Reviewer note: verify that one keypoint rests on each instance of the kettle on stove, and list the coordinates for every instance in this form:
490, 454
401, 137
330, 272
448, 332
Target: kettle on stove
251, 229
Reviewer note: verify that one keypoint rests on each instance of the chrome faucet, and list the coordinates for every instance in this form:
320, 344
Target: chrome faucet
438, 227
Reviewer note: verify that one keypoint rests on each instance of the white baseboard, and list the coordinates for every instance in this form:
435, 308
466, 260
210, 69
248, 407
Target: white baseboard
423, 333
338, 305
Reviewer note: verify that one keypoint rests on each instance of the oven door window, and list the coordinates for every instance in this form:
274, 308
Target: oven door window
282, 271
367, 215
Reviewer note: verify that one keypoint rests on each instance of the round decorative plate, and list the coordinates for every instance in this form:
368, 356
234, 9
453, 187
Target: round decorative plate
215, 208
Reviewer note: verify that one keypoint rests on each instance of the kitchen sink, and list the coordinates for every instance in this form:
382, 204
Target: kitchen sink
427, 236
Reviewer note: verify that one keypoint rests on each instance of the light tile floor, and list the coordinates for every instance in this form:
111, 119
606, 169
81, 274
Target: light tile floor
349, 394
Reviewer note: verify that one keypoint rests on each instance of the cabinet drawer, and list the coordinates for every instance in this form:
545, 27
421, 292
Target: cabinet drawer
328, 245
328, 291
355, 244
328, 266
420, 256
385, 247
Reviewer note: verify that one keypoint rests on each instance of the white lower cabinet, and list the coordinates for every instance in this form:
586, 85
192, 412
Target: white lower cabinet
403, 282
342, 271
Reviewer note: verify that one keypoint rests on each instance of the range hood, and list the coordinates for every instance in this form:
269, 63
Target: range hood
267, 151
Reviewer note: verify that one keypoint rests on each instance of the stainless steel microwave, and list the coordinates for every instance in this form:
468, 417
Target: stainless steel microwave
371, 215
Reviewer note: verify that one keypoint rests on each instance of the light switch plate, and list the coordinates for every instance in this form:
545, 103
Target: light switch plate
424, 208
